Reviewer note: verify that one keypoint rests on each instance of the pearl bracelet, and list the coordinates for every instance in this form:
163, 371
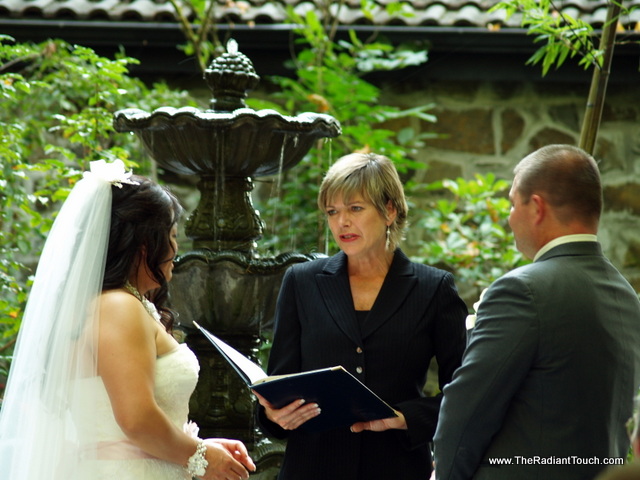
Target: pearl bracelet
197, 464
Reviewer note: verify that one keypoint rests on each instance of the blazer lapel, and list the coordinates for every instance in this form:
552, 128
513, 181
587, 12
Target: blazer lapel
333, 284
398, 283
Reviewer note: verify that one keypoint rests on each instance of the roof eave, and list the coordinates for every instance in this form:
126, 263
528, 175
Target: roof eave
268, 45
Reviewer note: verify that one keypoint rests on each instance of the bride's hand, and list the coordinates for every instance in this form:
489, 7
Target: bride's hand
228, 460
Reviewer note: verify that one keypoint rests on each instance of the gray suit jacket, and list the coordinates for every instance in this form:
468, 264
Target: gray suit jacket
549, 375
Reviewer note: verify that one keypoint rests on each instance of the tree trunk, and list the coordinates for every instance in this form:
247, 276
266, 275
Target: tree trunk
598, 89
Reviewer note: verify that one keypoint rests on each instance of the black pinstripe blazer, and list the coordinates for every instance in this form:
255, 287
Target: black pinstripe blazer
417, 315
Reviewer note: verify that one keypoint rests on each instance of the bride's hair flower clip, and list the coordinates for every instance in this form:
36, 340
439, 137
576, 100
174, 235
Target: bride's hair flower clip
113, 173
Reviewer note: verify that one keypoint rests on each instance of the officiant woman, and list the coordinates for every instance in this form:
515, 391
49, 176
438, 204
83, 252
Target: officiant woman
380, 316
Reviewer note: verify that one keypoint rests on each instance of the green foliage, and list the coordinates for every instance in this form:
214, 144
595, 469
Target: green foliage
565, 37
329, 79
196, 20
562, 35
58, 102
468, 231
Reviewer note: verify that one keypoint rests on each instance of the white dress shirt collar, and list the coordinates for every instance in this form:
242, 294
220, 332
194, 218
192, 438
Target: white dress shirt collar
581, 237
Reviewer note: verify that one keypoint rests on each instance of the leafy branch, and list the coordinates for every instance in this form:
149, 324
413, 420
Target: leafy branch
56, 117
202, 35
563, 36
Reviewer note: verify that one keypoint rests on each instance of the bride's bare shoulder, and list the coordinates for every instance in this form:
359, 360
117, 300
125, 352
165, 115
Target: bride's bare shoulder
117, 298
120, 308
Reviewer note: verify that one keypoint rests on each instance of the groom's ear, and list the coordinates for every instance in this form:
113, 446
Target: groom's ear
541, 208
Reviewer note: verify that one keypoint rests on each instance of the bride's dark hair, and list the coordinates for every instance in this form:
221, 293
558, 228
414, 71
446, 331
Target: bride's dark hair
141, 216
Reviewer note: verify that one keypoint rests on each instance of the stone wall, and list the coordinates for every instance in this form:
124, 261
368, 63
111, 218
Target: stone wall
489, 127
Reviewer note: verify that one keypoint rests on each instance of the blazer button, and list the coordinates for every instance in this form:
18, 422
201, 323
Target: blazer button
359, 369
358, 350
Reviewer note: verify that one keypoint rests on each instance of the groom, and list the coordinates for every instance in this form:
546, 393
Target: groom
553, 362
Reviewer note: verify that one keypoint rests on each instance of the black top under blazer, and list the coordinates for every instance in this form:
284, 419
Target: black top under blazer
416, 316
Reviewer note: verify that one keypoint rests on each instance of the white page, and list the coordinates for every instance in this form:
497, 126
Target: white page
253, 371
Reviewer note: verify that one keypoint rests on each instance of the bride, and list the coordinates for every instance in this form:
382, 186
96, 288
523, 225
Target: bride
98, 387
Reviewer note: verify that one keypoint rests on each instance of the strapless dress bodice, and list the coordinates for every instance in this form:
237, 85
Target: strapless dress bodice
112, 455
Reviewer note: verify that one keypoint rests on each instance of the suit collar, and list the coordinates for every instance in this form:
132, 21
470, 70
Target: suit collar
334, 287
580, 237
398, 283
572, 248
336, 263
333, 284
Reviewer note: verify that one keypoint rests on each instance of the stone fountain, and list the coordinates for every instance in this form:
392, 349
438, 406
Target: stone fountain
222, 284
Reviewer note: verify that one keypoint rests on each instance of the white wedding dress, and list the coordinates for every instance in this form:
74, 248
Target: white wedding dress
115, 457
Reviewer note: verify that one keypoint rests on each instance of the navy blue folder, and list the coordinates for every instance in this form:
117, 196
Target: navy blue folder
342, 398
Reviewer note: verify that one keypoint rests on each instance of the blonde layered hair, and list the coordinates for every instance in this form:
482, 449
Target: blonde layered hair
375, 178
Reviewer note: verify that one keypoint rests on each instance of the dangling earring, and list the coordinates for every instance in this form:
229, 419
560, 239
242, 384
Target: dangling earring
388, 243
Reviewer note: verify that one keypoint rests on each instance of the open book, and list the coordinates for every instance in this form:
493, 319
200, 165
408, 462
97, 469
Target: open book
343, 399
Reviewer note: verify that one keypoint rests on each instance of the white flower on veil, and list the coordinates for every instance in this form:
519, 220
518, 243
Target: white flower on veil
113, 173
471, 319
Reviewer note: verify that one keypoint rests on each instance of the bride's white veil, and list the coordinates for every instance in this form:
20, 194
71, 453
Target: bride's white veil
56, 345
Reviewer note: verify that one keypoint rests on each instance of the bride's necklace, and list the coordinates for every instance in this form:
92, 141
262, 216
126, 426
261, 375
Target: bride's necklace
148, 306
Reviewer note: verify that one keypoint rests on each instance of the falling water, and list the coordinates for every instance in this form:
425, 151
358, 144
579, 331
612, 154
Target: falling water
221, 283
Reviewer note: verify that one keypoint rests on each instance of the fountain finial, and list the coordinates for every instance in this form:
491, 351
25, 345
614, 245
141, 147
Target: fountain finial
230, 77
232, 47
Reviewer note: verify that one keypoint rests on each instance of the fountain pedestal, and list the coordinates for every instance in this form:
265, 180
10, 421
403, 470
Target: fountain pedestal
236, 295
225, 208
221, 283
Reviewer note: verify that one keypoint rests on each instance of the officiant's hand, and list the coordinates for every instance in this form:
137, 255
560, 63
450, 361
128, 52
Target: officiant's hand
398, 423
291, 416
